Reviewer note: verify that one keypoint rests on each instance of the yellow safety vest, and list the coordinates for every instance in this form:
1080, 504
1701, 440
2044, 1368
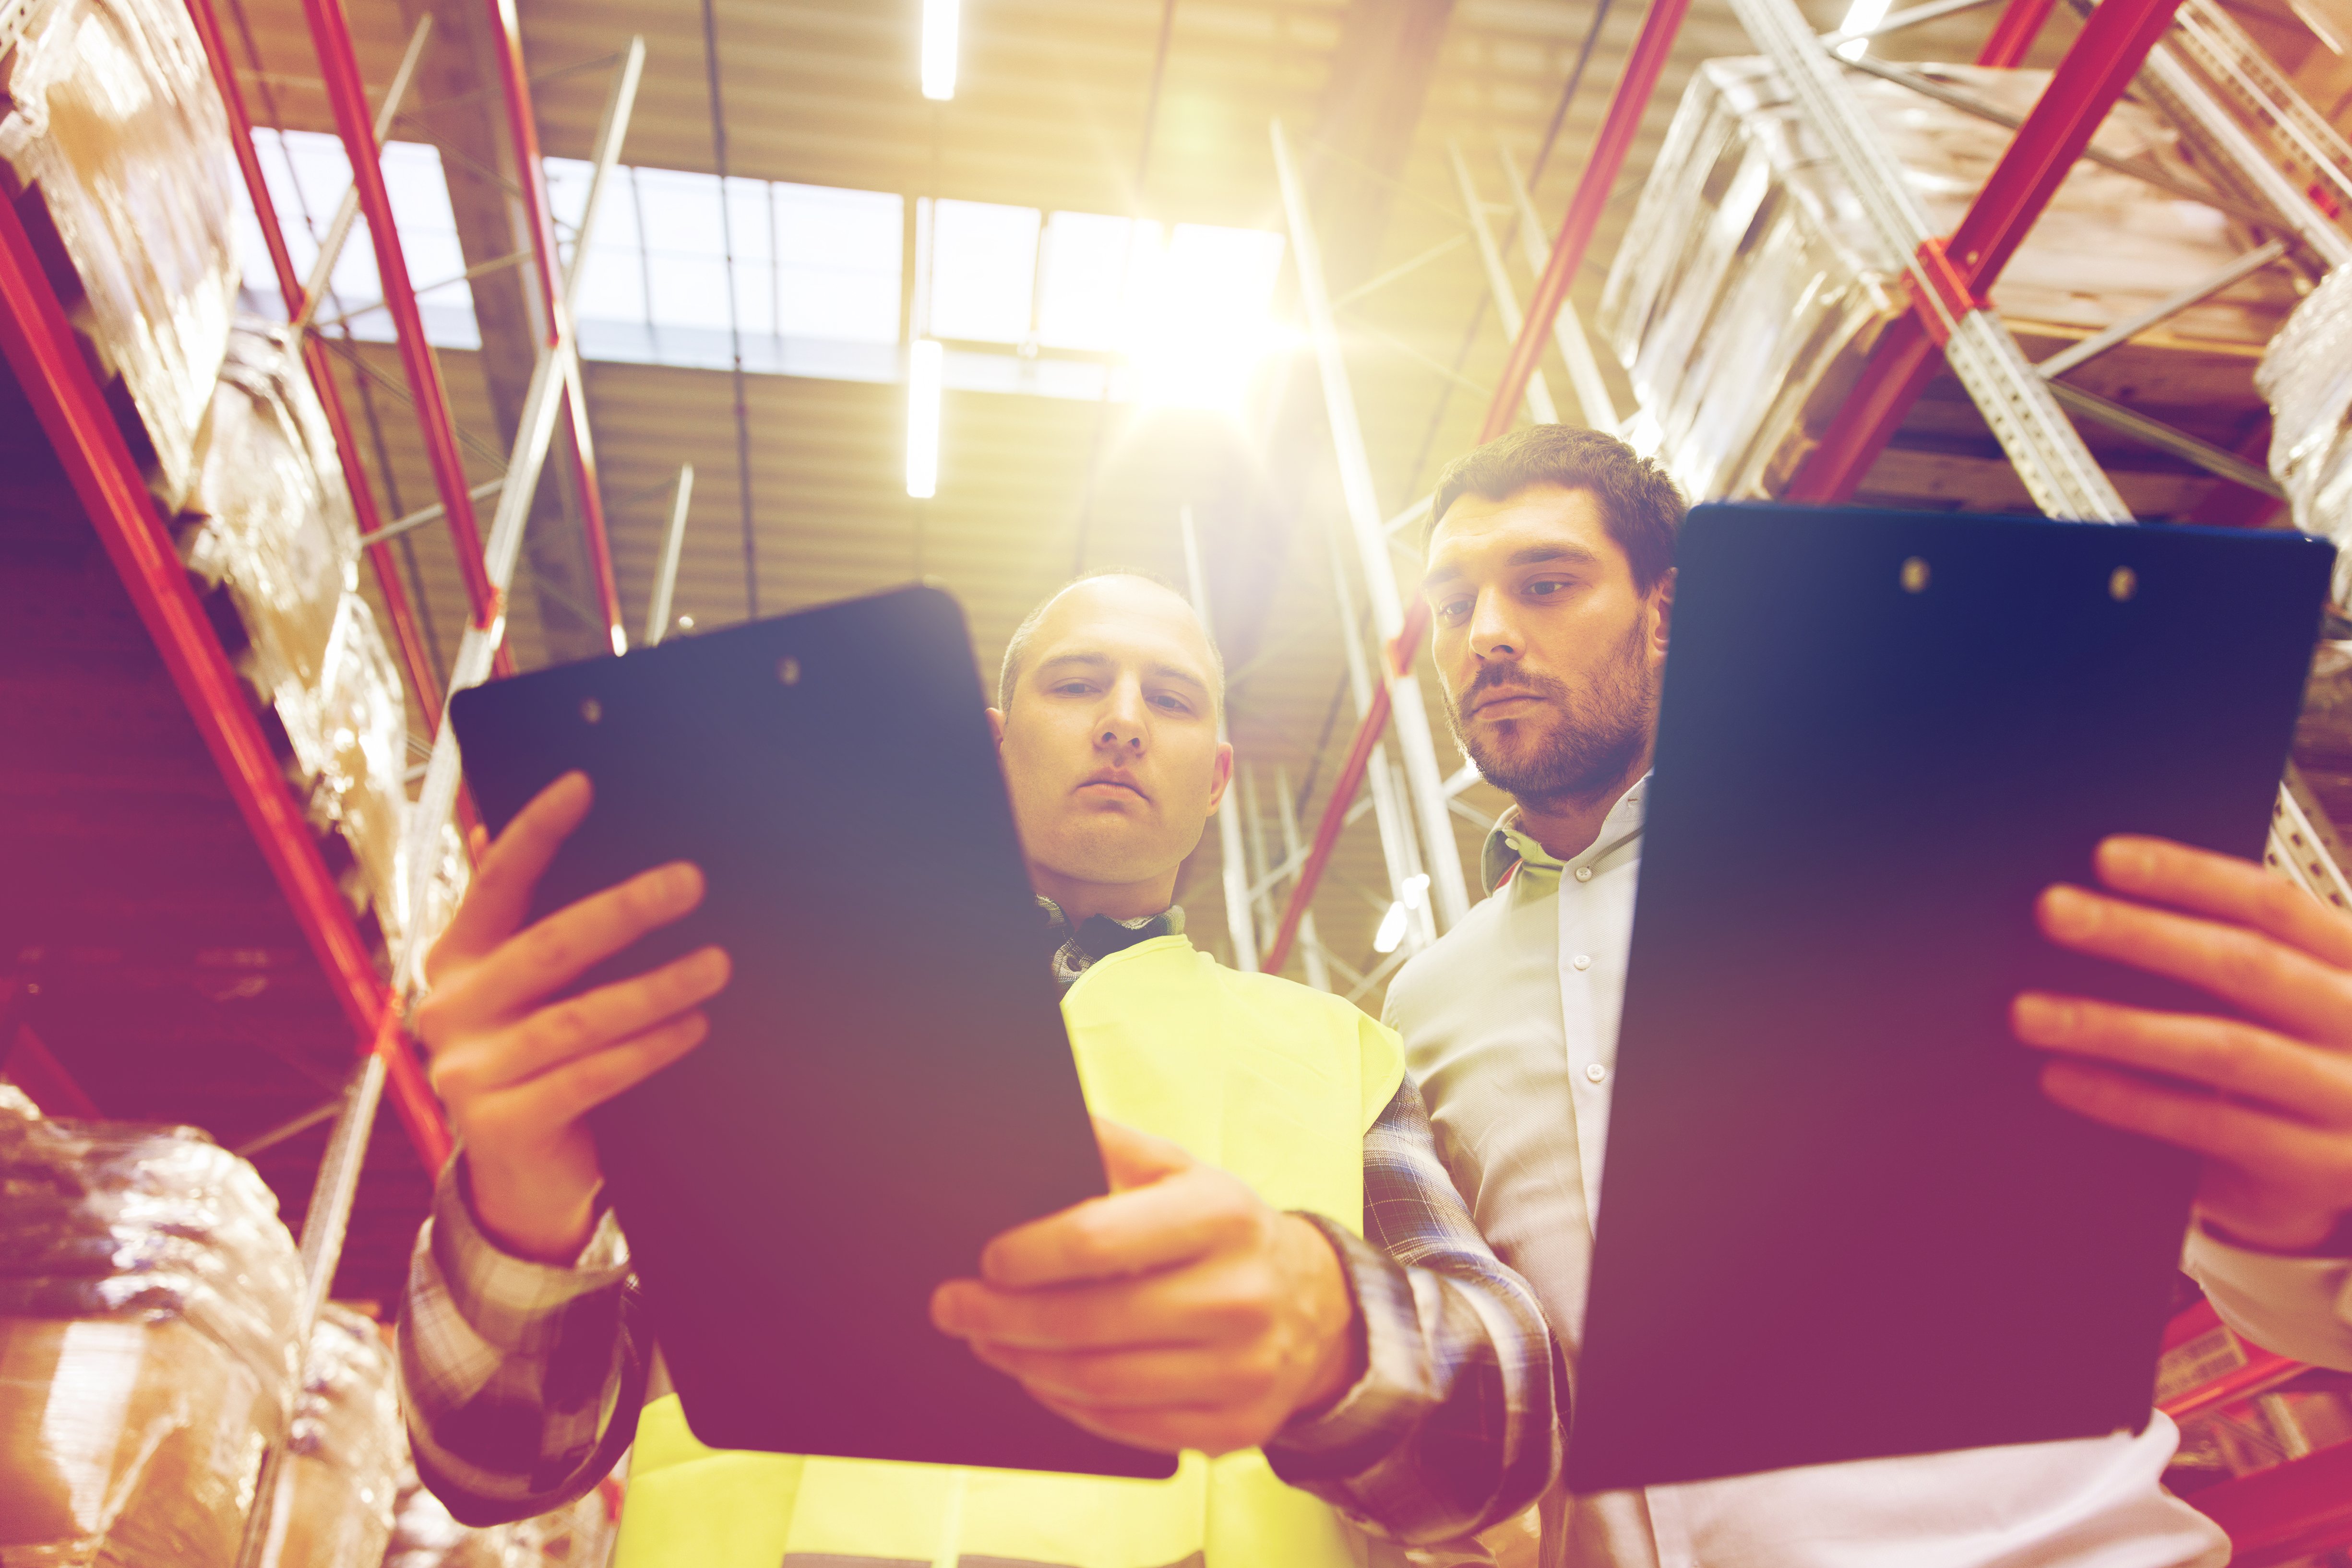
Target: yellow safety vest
1275, 1083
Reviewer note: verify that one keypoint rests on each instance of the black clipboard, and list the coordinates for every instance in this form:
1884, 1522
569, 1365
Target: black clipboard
886, 1083
1839, 1220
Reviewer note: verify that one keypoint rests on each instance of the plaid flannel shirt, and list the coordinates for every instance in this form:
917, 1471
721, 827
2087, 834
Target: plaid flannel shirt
522, 1381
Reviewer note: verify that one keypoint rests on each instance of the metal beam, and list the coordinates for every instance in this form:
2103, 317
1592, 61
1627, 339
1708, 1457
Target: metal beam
496, 196
437, 800
338, 65
2166, 438
1310, 951
1592, 397
1498, 282
2164, 310
673, 543
1232, 859
1451, 897
2021, 23
416, 654
1950, 278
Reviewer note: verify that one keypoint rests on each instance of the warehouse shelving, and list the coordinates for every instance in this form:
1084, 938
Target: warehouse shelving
74, 479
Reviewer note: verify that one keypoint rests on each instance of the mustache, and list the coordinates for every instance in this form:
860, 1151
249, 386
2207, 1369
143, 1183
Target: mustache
1496, 677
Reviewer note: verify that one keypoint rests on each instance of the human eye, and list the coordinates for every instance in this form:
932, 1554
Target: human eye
1546, 588
1452, 612
1072, 687
1169, 702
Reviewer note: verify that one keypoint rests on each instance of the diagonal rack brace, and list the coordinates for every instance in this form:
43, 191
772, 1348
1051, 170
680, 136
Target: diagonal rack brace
476, 651
2059, 471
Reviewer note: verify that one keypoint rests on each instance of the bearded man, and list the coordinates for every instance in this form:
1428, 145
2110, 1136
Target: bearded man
1550, 580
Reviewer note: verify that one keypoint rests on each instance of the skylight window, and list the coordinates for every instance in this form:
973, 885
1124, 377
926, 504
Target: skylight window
808, 279
983, 271
815, 280
307, 174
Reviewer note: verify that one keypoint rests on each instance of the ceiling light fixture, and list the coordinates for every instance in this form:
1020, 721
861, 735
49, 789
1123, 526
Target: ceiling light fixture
942, 21
925, 368
1392, 931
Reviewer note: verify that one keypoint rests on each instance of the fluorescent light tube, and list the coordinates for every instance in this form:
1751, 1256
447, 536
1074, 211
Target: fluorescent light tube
1392, 931
942, 21
925, 364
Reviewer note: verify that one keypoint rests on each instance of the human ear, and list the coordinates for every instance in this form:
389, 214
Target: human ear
1661, 597
1221, 776
996, 727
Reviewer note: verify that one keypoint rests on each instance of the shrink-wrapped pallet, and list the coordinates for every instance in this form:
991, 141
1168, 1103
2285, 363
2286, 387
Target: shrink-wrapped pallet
269, 528
115, 150
2307, 377
344, 1452
1750, 287
270, 536
148, 1294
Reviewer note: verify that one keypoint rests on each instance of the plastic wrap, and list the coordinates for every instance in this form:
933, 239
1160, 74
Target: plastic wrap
271, 535
269, 524
363, 752
109, 113
2307, 377
451, 872
579, 1535
148, 1294
1750, 288
345, 1452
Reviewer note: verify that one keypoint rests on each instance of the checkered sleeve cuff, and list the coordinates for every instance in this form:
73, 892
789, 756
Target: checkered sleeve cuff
515, 1305
1382, 1407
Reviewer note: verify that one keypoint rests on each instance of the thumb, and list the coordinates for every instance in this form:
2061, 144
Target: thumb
1133, 1159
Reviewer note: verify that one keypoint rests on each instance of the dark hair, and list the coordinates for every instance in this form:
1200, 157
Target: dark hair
1643, 507
1017, 649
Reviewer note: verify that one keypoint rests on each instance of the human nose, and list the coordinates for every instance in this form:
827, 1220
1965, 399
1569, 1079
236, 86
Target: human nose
1492, 635
1120, 726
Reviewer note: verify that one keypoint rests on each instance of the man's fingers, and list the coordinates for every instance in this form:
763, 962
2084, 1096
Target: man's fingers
498, 899
2267, 1146
2225, 888
1133, 1159
568, 1029
2221, 1053
564, 1094
535, 963
1128, 1380
2281, 984
1169, 1222
1127, 1314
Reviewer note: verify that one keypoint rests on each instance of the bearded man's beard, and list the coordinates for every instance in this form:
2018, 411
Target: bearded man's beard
1578, 744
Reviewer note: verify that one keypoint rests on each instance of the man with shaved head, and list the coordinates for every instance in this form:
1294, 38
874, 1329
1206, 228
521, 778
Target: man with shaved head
1282, 1285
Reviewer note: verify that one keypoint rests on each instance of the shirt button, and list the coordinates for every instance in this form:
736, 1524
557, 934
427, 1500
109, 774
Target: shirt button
1595, 1072
1582, 960
1584, 874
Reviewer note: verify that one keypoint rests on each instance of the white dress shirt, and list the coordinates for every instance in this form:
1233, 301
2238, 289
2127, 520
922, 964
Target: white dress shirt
1510, 1026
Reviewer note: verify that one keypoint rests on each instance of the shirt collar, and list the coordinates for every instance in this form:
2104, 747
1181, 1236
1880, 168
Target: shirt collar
1099, 936
1510, 850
